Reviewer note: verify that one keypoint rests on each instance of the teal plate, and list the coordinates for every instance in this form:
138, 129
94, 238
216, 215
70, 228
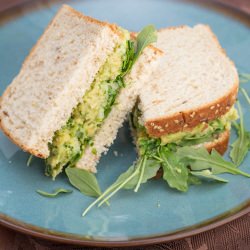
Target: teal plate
156, 213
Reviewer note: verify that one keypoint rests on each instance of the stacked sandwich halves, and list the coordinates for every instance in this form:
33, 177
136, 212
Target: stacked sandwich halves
81, 80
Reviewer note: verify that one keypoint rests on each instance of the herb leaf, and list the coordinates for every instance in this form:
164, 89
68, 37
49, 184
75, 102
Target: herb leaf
84, 181
131, 179
29, 160
241, 146
147, 36
244, 92
146, 172
174, 172
244, 77
200, 159
208, 174
55, 193
193, 180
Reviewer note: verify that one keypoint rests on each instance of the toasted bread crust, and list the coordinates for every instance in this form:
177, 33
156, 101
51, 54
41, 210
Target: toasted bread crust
220, 145
187, 120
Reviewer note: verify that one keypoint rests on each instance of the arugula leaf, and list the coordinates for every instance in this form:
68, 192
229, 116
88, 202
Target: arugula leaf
241, 146
122, 180
174, 172
84, 181
244, 92
29, 160
147, 36
248, 137
208, 174
200, 159
147, 172
244, 77
55, 193
137, 174
193, 180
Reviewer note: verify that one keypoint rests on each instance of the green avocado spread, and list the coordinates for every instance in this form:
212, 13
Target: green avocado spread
203, 130
70, 141
202, 133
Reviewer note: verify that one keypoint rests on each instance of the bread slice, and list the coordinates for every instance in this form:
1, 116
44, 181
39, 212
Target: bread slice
135, 80
54, 77
196, 82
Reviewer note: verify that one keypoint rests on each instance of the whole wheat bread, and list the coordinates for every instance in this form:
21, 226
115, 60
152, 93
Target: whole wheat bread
196, 82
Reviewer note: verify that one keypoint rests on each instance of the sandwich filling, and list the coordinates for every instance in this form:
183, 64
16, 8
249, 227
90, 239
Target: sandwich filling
202, 133
70, 142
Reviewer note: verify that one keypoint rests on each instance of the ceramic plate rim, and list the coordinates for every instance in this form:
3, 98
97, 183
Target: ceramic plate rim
75, 239
66, 238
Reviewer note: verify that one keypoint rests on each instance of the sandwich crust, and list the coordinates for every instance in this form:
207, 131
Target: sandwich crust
187, 120
221, 144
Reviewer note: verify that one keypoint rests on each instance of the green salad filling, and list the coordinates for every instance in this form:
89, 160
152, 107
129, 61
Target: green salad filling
70, 141
202, 133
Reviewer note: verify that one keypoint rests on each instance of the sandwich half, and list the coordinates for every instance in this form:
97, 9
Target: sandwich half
190, 101
74, 90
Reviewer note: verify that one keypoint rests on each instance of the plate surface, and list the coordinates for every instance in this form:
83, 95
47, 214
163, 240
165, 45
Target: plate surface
156, 211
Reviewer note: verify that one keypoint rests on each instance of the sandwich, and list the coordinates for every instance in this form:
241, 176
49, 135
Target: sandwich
75, 89
194, 93
182, 120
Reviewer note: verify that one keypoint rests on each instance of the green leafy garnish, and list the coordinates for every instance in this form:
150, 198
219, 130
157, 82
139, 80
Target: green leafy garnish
244, 92
241, 146
137, 174
208, 174
244, 77
193, 180
199, 159
29, 160
175, 173
84, 181
146, 37
55, 193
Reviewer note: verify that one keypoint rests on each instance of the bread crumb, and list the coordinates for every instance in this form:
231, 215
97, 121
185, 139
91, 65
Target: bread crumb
212, 107
192, 115
115, 153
